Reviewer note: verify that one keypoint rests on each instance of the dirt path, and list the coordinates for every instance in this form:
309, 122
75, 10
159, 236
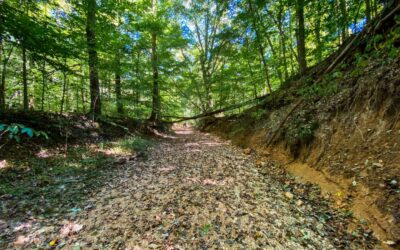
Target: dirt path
196, 192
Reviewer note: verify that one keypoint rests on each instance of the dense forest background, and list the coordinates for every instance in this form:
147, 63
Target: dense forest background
160, 59
297, 146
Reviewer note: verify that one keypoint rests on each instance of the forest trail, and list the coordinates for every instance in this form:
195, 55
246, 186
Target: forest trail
195, 191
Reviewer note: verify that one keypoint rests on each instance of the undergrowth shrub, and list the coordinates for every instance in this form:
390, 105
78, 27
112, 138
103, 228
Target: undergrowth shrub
259, 114
135, 143
300, 131
16, 131
326, 88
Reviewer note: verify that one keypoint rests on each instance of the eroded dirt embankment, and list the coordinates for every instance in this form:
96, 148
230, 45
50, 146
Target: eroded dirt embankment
346, 140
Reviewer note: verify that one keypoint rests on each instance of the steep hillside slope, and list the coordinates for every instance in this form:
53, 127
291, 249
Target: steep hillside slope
340, 130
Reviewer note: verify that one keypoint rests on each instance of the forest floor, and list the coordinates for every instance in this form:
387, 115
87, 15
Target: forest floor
192, 191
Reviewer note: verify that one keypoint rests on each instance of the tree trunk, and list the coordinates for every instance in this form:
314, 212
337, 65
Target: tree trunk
67, 97
2, 84
137, 83
207, 86
3, 77
260, 48
318, 32
254, 82
64, 91
95, 101
368, 10
282, 43
155, 112
3, 89
156, 109
344, 19
25, 80
76, 97
83, 99
43, 85
301, 37
265, 67
118, 88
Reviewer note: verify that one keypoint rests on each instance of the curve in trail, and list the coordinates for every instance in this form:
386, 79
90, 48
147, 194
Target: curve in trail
197, 192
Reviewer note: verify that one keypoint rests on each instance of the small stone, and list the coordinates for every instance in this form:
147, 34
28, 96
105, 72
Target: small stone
299, 203
120, 161
88, 207
389, 242
132, 157
393, 183
289, 195
153, 246
320, 226
247, 151
45, 230
260, 163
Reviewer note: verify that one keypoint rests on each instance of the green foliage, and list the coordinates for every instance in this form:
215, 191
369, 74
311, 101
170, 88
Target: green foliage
135, 143
374, 42
209, 54
361, 60
300, 130
206, 229
259, 114
322, 89
382, 47
15, 131
393, 51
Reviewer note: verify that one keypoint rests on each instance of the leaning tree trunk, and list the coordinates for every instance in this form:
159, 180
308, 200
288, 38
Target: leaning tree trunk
301, 37
95, 101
